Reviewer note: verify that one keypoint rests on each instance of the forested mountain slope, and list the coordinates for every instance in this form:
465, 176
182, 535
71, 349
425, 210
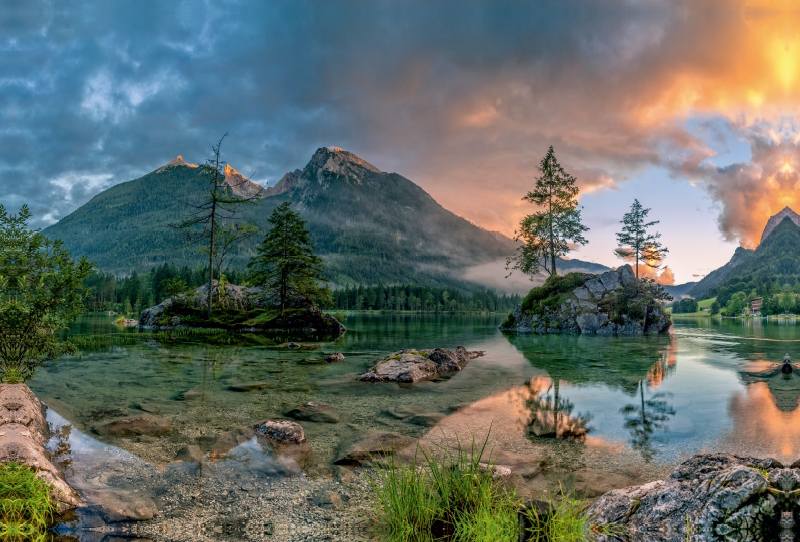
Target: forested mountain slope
368, 225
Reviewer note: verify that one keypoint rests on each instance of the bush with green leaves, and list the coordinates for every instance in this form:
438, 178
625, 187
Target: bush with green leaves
41, 291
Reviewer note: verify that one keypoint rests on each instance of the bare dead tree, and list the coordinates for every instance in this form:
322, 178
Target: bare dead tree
211, 222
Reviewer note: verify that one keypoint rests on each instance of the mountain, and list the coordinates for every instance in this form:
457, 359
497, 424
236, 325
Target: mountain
776, 259
777, 219
677, 291
369, 226
741, 255
719, 275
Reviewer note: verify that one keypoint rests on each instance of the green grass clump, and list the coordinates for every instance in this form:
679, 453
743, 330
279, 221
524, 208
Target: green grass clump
453, 498
26, 508
98, 342
552, 293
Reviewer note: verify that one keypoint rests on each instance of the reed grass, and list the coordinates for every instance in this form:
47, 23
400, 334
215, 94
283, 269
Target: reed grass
96, 342
26, 508
450, 497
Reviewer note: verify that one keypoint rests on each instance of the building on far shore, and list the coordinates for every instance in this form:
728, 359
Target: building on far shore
755, 305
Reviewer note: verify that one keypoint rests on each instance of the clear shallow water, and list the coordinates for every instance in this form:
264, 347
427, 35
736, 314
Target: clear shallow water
706, 386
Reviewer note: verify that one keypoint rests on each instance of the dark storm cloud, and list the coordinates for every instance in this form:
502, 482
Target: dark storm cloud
95, 93
462, 97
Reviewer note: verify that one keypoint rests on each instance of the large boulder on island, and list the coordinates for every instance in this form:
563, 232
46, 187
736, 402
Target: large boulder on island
238, 308
613, 303
409, 366
715, 497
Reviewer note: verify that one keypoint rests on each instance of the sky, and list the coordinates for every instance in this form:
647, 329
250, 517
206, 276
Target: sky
691, 106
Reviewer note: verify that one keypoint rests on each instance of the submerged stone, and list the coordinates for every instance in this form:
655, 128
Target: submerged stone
145, 424
371, 445
315, 412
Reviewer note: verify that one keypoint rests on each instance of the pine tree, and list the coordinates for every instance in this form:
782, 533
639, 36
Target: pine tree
553, 231
636, 243
286, 265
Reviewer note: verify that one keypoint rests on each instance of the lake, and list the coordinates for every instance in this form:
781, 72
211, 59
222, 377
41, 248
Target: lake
705, 386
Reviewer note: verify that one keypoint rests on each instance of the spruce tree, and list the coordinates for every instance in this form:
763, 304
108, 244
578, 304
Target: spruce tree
286, 265
553, 231
636, 243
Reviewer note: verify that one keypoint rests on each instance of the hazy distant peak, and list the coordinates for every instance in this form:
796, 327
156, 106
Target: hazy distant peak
776, 219
286, 183
177, 161
336, 160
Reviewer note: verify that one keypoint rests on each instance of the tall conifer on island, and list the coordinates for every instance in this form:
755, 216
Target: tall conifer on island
636, 243
41, 291
556, 228
286, 265
211, 223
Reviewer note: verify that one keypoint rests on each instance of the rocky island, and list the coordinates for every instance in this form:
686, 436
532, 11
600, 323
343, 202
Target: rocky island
613, 303
238, 308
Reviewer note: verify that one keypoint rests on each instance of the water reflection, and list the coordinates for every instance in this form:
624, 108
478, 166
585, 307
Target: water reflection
551, 415
644, 418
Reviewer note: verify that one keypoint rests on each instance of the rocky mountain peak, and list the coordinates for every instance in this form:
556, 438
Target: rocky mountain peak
177, 161
239, 184
340, 162
776, 219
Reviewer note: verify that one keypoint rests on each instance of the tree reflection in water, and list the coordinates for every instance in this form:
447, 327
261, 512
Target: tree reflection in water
551, 415
645, 418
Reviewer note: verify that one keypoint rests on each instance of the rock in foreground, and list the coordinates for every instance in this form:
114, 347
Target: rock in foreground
410, 366
23, 436
719, 497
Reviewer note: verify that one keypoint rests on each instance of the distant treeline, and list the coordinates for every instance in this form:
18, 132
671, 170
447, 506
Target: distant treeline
421, 299
129, 295
779, 296
684, 306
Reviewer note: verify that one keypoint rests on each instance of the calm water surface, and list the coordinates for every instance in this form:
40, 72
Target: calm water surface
705, 386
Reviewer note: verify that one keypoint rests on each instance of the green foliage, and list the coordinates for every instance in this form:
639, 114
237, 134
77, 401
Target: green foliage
26, 509
452, 495
635, 243
107, 292
636, 300
421, 299
685, 305
715, 308
770, 271
567, 523
41, 291
285, 265
557, 228
553, 292
101, 342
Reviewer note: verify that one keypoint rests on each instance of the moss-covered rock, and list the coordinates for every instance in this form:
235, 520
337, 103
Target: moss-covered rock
614, 303
238, 308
